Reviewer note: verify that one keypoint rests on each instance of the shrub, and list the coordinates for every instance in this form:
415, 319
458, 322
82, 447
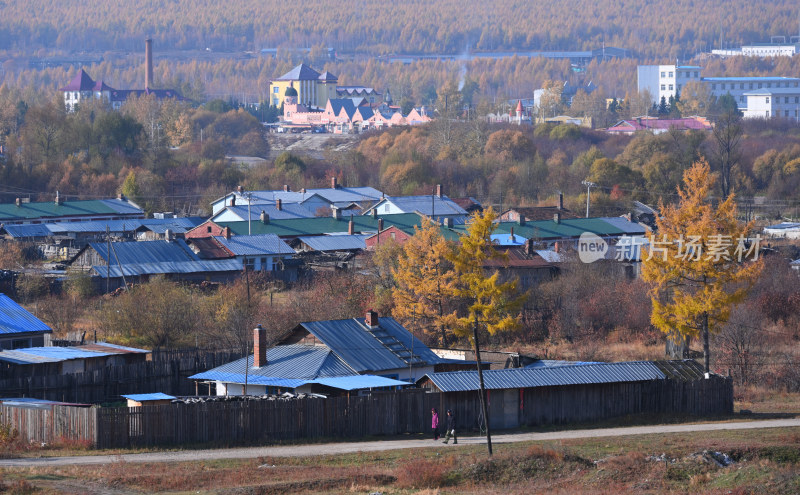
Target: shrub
422, 473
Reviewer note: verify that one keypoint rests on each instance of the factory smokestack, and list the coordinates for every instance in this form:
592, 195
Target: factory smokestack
148, 64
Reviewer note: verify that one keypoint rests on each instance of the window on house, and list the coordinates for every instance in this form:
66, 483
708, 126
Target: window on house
670, 87
722, 86
713, 86
759, 85
276, 90
671, 75
769, 85
741, 99
249, 263
208, 229
797, 99
786, 99
264, 264
741, 86
786, 113
696, 74
767, 99
751, 85
663, 87
663, 74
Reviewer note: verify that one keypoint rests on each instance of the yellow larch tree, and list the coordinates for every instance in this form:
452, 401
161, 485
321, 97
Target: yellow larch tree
700, 263
424, 281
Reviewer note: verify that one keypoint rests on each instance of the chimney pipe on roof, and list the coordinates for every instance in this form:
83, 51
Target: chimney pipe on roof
18, 202
351, 227
148, 64
334, 184
337, 213
303, 190
226, 232
380, 225
372, 319
168, 235
286, 188
374, 213
239, 189
259, 347
278, 204
264, 217
521, 219
439, 190
560, 200
233, 200
556, 247
512, 234
448, 222
529, 247
58, 199
557, 217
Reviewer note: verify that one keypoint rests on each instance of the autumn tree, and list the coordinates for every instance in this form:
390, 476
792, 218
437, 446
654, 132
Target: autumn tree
698, 266
696, 99
486, 302
727, 134
425, 282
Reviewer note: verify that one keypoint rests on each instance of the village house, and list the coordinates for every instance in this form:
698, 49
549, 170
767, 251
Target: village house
331, 357
23, 211
41, 361
436, 206
19, 328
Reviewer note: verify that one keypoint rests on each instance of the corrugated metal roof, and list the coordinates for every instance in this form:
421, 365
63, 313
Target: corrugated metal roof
552, 363
626, 226
28, 230
427, 205
112, 348
129, 253
635, 371
16, 319
50, 209
356, 382
507, 239
359, 346
250, 379
166, 267
291, 361
288, 210
326, 225
147, 397
34, 355
335, 242
255, 245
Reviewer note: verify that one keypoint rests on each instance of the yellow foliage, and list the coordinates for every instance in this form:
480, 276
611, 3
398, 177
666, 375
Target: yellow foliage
693, 264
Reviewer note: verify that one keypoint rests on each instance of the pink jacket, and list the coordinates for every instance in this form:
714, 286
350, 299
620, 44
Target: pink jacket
435, 420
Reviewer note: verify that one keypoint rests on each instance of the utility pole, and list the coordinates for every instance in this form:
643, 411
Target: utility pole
589, 186
482, 386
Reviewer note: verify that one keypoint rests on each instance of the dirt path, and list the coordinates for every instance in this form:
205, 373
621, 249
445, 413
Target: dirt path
372, 446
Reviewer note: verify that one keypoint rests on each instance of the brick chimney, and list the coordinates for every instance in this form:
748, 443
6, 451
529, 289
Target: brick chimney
278, 204
337, 213
18, 202
226, 232
556, 247
529, 247
233, 200
439, 190
511, 236
380, 225
560, 200
372, 318
374, 213
351, 228
521, 219
557, 217
259, 347
334, 183
264, 217
148, 64
286, 188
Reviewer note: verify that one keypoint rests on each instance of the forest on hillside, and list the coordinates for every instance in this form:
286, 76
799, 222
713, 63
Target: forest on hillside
668, 29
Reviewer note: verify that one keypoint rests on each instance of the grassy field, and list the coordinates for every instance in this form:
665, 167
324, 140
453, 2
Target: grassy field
762, 461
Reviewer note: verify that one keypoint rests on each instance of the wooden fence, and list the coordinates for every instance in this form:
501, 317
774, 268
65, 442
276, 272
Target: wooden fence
53, 424
385, 413
168, 373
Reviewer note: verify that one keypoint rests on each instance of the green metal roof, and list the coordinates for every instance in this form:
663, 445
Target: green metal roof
548, 229
50, 209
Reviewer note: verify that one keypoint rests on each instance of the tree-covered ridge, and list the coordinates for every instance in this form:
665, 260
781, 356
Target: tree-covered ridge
672, 29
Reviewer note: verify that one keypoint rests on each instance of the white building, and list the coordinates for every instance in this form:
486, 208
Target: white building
763, 50
776, 102
664, 80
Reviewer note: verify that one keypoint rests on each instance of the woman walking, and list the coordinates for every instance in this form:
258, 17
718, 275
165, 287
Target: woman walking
435, 423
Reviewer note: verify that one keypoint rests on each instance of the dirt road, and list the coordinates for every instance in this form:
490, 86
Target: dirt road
349, 447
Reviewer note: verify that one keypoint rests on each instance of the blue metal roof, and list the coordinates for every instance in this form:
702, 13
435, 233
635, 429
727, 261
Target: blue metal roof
255, 245
288, 210
16, 319
553, 363
507, 239
462, 381
28, 230
625, 225
751, 79
335, 242
126, 253
356, 382
166, 267
251, 379
289, 361
784, 225
147, 397
427, 205
354, 342
34, 355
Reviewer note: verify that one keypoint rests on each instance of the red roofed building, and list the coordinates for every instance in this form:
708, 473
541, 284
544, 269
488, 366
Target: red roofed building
659, 126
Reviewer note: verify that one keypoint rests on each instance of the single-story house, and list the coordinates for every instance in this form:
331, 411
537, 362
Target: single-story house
331, 357
19, 328
37, 361
785, 230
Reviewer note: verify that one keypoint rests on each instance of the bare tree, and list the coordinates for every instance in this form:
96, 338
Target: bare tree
727, 136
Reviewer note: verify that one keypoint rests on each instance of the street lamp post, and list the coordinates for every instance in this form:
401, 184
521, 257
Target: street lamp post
589, 186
